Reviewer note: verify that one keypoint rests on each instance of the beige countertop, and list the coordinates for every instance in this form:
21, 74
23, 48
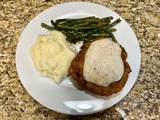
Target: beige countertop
142, 102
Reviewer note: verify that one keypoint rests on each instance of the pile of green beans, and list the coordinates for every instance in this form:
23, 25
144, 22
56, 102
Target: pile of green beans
84, 29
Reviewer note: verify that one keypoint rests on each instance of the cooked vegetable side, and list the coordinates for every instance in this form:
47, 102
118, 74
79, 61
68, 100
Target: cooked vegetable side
84, 29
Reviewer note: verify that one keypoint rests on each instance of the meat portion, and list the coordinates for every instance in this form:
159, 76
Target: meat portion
76, 72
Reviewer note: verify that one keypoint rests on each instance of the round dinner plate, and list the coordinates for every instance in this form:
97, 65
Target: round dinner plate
65, 97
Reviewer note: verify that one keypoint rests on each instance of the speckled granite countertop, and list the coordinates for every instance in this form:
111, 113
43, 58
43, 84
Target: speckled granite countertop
142, 103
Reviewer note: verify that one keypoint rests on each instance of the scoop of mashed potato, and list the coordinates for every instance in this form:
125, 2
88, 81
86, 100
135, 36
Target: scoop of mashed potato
52, 55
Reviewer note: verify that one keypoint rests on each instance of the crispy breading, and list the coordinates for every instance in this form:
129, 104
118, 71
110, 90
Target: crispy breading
76, 72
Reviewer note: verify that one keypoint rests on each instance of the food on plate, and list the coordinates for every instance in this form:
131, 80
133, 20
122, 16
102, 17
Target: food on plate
84, 29
100, 67
52, 55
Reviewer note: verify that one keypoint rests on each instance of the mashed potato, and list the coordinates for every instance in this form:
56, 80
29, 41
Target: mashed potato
52, 55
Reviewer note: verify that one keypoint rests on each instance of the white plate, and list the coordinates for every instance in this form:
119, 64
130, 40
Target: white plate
65, 98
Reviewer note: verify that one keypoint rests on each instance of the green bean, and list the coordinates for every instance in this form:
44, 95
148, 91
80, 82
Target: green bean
99, 35
113, 37
107, 18
101, 28
110, 30
53, 23
79, 28
65, 32
72, 20
114, 23
76, 23
82, 24
74, 39
63, 20
47, 26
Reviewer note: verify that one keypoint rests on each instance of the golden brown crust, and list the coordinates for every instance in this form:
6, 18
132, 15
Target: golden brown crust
76, 72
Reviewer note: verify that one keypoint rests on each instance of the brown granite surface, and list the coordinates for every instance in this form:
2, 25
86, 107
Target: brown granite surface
142, 103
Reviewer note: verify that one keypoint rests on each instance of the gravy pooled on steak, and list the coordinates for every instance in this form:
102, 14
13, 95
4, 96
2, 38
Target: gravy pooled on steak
103, 63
